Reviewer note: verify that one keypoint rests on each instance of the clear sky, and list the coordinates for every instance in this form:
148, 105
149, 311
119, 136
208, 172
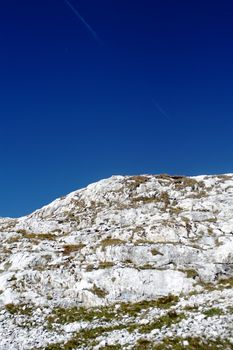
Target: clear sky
92, 88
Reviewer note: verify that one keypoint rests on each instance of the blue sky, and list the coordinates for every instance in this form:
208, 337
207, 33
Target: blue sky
135, 87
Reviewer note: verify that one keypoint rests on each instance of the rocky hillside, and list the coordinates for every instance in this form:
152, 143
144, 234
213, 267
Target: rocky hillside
134, 262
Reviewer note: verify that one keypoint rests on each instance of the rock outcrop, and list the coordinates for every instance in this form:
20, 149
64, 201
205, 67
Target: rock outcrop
134, 262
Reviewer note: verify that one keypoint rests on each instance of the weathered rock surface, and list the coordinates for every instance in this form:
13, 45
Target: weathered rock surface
151, 257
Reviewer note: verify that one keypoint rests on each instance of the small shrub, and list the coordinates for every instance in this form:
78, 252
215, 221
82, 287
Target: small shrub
154, 252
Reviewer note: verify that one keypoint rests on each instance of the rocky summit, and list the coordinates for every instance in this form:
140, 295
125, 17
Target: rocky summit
130, 262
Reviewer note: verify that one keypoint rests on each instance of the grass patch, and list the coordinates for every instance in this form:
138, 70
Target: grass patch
111, 242
19, 309
191, 308
190, 273
213, 312
177, 343
143, 344
226, 283
182, 182
85, 337
40, 236
111, 347
14, 239
90, 267
163, 197
132, 309
146, 267
106, 264
198, 195
107, 313
76, 314
164, 321
143, 241
135, 181
71, 248
175, 210
214, 220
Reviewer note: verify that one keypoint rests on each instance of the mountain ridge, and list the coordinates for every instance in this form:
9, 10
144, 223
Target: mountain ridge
128, 246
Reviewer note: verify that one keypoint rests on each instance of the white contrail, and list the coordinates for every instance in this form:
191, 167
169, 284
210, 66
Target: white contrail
89, 28
160, 109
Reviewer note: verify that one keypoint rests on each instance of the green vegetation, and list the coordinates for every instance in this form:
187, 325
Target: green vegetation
72, 217
213, 312
164, 321
101, 293
135, 181
76, 314
111, 242
132, 309
191, 273
155, 252
199, 195
191, 308
182, 182
226, 283
143, 241
111, 347
212, 220
90, 267
38, 236
163, 197
175, 210
193, 344
143, 344
224, 177
14, 239
85, 337
71, 248
105, 264
22, 231
106, 313
19, 309
146, 267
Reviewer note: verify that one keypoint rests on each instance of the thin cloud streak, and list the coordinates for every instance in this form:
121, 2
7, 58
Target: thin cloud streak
88, 27
160, 109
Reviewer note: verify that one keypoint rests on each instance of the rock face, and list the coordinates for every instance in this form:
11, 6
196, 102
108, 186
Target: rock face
134, 262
